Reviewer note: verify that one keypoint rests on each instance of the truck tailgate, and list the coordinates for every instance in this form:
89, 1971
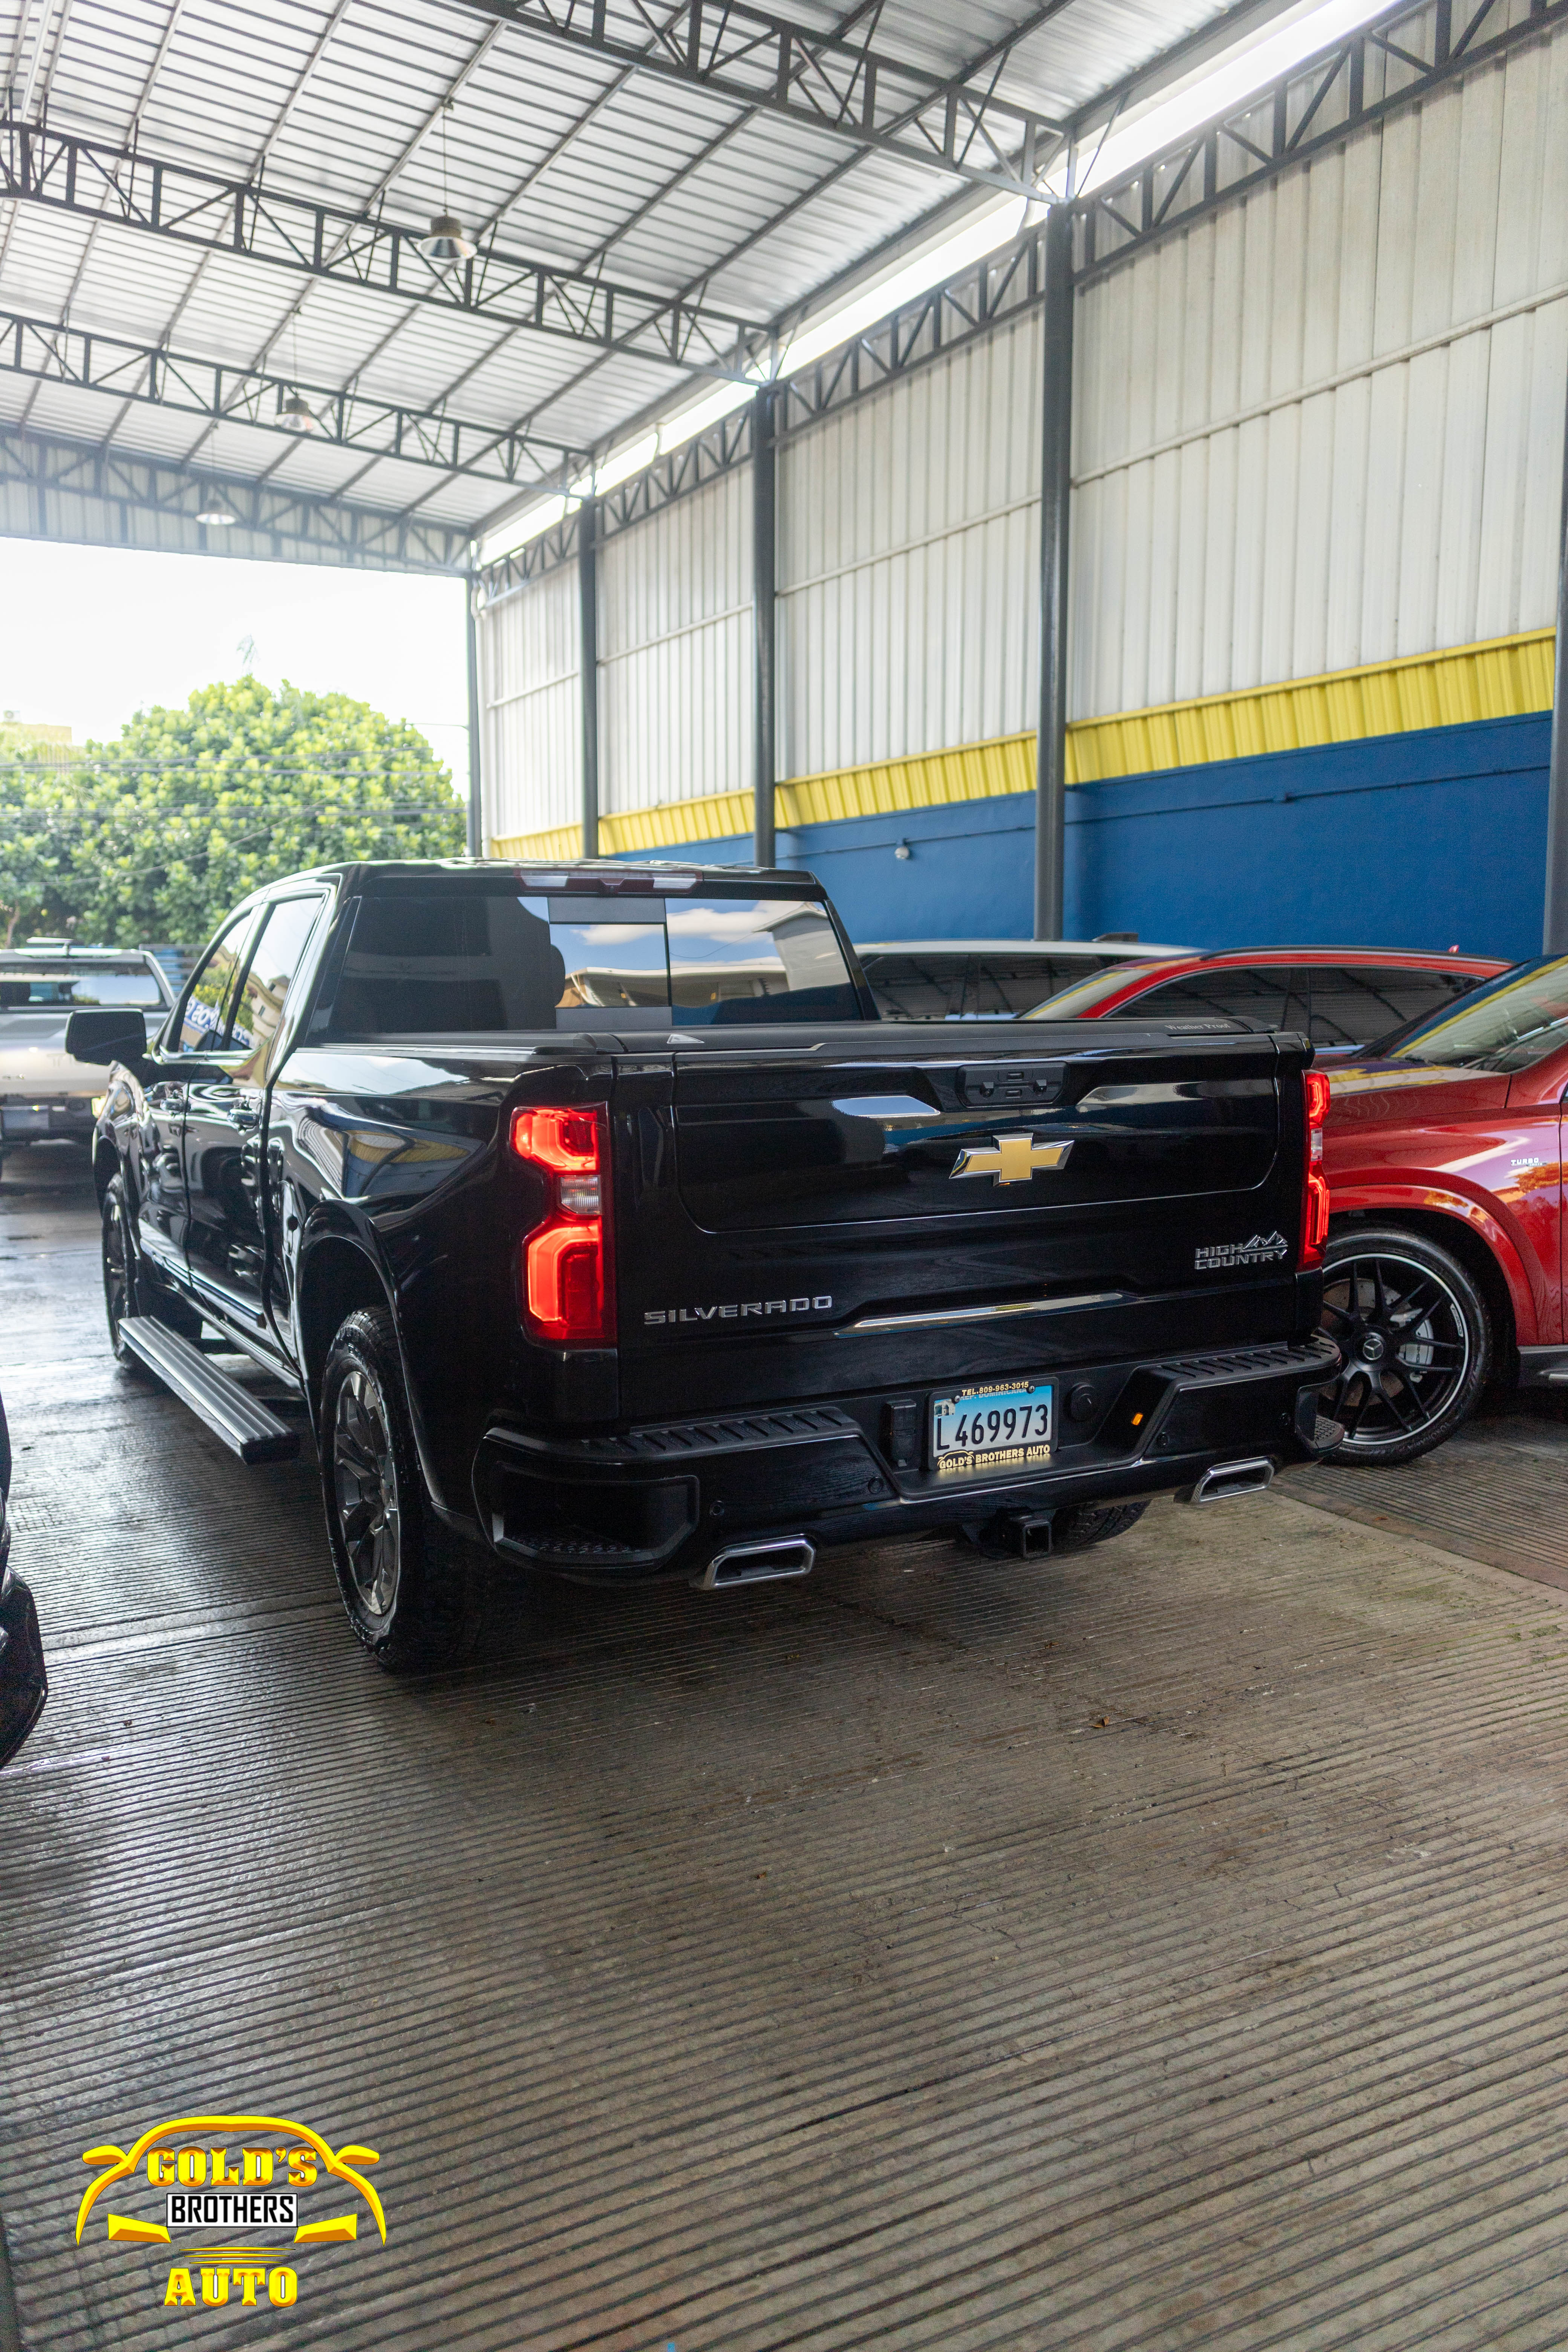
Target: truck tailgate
801, 1208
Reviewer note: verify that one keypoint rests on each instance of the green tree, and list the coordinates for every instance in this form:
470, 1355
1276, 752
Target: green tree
36, 864
161, 832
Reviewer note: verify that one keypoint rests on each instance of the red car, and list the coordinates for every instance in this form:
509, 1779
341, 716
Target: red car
1341, 997
1444, 1264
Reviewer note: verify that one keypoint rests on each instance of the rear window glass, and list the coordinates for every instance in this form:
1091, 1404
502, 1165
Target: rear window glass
25, 992
1501, 1025
465, 962
734, 961
1352, 1004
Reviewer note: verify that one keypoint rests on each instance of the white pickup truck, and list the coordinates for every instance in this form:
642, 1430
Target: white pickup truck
42, 1091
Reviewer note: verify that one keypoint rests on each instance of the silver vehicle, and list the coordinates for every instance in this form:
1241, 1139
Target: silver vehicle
980, 980
42, 1091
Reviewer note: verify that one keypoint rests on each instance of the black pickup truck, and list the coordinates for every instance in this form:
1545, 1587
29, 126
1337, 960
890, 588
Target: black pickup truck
599, 1225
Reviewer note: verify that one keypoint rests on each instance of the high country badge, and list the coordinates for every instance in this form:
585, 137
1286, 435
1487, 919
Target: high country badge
229, 2195
1258, 1250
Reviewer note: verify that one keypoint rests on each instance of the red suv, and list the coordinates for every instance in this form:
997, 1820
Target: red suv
1341, 997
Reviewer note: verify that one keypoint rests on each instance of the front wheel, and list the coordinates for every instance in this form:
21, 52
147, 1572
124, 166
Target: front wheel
119, 1273
411, 1590
1416, 1340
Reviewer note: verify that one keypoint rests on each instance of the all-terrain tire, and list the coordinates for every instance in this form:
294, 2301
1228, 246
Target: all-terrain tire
413, 1592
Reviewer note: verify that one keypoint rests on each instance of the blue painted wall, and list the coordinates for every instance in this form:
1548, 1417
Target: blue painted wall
1435, 839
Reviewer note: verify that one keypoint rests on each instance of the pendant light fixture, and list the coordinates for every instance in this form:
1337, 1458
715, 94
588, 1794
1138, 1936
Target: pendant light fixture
446, 240
213, 511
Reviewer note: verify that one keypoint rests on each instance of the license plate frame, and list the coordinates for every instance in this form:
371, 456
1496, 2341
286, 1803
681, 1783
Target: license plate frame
1018, 1450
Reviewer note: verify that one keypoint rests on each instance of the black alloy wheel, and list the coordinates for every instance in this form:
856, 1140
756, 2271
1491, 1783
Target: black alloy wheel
364, 1484
1416, 1339
119, 1284
414, 1591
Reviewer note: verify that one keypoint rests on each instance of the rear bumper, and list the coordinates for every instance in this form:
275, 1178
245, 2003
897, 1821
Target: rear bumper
661, 1501
26, 1120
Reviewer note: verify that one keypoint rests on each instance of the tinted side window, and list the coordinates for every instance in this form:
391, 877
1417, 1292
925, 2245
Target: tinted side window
274, 961
1257, 993
204, 1019
1352, 1004
914, 987
738, 960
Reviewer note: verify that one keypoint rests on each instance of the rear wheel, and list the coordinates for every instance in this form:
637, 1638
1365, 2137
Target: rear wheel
1416, 1340
413, 1592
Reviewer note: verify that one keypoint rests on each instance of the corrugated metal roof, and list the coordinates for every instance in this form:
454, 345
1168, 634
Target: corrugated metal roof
403, 108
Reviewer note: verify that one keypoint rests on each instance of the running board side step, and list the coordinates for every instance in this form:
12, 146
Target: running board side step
245, 1425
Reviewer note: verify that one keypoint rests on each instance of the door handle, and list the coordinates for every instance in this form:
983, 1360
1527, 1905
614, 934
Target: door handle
245, 1117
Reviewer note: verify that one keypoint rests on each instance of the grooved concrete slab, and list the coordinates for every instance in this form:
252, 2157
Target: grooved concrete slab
1161, 1947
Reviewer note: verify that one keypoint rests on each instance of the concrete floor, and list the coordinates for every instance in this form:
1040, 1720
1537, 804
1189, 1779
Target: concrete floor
1161, 1948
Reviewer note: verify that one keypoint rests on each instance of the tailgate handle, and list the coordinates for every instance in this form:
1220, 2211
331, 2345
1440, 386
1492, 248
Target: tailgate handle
994, 1086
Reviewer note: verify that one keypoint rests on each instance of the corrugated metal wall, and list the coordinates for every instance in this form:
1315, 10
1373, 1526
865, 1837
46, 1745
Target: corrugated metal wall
1324, 426
908, 530
1321, 429
532, 758
675, 651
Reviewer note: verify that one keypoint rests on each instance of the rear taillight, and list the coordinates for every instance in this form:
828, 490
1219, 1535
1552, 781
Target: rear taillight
1314, 1185
568, 1288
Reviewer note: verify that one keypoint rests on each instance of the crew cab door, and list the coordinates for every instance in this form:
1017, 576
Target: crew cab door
225, 1110
161, 1208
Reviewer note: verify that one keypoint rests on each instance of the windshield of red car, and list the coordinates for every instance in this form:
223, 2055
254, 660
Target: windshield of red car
1502, 1024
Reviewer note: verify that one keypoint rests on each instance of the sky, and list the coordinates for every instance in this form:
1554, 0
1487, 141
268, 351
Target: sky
91, 634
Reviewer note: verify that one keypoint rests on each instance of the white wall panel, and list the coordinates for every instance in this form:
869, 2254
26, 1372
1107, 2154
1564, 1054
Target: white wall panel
908, 563
1324, 426
528, 682
675, 651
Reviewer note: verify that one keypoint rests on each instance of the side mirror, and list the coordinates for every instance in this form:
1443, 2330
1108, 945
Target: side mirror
107, 1034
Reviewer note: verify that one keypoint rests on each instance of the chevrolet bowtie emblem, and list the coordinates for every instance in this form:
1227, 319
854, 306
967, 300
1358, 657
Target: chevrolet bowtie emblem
1011, 1158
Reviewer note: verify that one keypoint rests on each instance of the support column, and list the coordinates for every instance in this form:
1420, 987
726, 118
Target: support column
588, 675
1554, 929
1056, 493
764, 485
476, 761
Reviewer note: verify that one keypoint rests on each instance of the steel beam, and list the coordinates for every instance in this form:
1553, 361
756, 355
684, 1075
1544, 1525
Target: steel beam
764, 626
588, 668
1056, 500
1388, 66
476, 737
81, 492
326, 244
1554, 926
821, 80
151, 375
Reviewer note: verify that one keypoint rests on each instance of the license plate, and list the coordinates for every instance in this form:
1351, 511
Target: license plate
1000, 1428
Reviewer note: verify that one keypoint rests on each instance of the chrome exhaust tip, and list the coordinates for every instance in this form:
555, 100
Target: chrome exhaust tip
758, 1563
1228, 1479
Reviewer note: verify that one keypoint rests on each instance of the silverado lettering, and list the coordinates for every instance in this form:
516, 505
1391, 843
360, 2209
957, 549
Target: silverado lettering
436, 1143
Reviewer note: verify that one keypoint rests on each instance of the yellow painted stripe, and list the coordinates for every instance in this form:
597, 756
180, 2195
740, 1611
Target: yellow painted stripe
1502, 679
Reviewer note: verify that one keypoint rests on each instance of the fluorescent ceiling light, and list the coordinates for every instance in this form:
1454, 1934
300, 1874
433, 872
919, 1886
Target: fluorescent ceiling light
1217, 85
979, 233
